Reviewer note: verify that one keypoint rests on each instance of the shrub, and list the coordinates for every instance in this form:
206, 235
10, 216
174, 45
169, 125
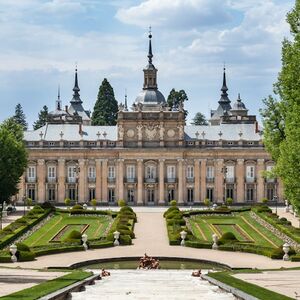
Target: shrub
126, 209
67, 201
176, 214
28, 201
48, 205
26, 256
77, 207
121, 203
74, 234
173, 203
206, 202
170, 209
264, 200
94, 203
122, 227
227, 237
22, 247
229, 201
125, 240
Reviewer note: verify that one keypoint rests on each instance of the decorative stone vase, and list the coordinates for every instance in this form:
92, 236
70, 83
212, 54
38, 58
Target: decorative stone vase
286, 249
214, 206
287, 208
183, 236
215, 242
84, 238
13, 250
116, 237
84, 206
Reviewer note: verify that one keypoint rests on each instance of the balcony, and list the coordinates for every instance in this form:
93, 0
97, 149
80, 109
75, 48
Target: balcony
91, 179
51, 179
71, 180
31, 179
190, 179
230, 180
270, 180
250, 179
130, 180
171, 180
150, 180
111, 179
210, 179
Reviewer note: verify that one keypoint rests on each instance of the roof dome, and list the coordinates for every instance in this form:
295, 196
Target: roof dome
58, 112
239, 105
150, 97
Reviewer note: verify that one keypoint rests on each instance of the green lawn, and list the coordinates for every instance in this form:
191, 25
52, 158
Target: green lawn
48, 287
241, 225
61, 224
249, 288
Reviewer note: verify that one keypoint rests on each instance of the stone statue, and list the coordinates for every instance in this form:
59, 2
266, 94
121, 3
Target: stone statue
121, 107
121, 132
180, 106
181, 132
161, 132
139, 133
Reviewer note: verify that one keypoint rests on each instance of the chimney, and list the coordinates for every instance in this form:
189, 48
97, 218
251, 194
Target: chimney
80, 128
256, 127
66, 108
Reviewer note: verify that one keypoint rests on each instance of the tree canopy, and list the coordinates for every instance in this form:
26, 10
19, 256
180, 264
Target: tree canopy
199, 119
281, 118
20, 117
106, 107
13, 158
177, 97
42, 118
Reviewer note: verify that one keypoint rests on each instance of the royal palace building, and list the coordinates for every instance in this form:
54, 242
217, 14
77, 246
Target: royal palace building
151, 156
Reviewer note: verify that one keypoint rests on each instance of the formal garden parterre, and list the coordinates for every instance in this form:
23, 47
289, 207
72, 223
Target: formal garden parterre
48, 230
255, 230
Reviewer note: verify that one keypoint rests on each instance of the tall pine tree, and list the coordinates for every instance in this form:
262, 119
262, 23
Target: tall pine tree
42, 118
106, 107
282, 117
177, 97
19, 117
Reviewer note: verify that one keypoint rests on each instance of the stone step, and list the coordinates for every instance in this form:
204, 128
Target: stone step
152, 284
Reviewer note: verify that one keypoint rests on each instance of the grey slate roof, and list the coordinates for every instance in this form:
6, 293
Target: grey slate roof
52, 132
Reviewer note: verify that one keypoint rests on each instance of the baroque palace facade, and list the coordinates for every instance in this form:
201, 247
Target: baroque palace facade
150, 157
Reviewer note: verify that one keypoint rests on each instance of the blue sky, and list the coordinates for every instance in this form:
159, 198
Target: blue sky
42, 39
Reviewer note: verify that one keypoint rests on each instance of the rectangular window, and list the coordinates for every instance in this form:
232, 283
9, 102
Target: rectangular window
92, 194
31, 193
72, 193
230, 172
210, 194
229, 192
150, 196
111, 195
210, 172
190, 172
51, 172
31, 172
171, 195
51, 194
92, 172
270, 192
190, 195
130, 172
171, 172
150, 172
111, 172
130, 196
250, 193
250, 173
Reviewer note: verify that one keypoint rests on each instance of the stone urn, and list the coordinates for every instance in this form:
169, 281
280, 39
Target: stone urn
183, 237
84, 206
214, 206
84, 238
287, 207
13, 250
116, 237
286, 249
215, 242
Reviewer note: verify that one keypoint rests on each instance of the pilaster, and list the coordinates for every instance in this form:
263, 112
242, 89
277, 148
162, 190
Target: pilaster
240, 180
61, 180
104, 198
82, 181
180, 181
98, 179
203, 179
219, 180
140, 183
120, 179
161, 185
197, 181
260, 179
41, 176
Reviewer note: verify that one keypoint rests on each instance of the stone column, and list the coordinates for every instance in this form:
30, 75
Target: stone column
41, 180
197, 198
61, 176
180, 182
161, 184
120, 179
203, 179
219, 176
104, 198
240, 180
140, 182
98, 179
279, 189
82, 181
260, 187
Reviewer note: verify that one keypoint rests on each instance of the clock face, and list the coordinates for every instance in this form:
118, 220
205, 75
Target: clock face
130, 133
171, 133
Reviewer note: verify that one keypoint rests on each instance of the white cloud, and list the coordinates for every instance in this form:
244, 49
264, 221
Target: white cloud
176, 13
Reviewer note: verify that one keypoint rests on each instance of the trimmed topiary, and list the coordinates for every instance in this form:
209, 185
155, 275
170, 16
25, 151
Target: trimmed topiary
125, 240
173, 203
227, 237
22, 247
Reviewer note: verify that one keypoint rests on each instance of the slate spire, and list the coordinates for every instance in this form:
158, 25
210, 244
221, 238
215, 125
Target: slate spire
76, 89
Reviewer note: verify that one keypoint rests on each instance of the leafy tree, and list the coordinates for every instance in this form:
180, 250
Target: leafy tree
106, 107
20, 117
282, 118
177, 97
13, 159
199, 119
42, 118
